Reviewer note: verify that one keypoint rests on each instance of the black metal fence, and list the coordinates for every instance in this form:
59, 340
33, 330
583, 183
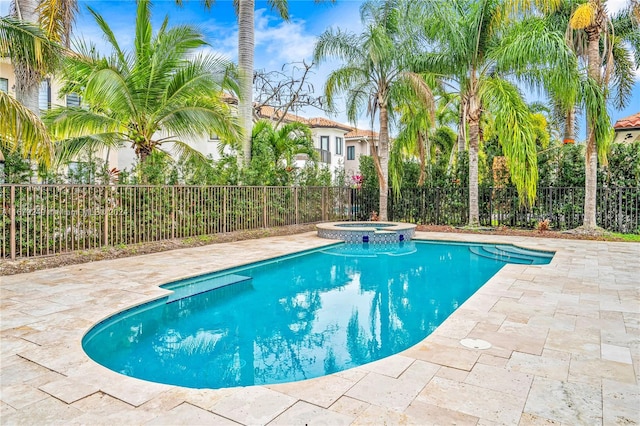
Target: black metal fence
617, 209
42, 220
49, 219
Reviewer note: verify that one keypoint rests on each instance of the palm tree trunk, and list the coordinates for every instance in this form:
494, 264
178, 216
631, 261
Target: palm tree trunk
462, 130
591, 163
27, 79
245, 62
423, 159
474, 136
570, 127
383, 154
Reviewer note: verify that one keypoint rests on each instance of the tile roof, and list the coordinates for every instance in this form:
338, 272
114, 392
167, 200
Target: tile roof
359, 133
270, 112
631, 122
325, 122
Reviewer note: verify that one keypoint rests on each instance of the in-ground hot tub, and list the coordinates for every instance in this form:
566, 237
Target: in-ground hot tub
367, 232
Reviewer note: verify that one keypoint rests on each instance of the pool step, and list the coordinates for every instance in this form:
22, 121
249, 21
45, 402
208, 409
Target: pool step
206, 285
496, 254
527, 252
508, 254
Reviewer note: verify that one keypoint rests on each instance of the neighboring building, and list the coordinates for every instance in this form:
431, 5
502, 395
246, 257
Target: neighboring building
49, 96
627, 129
339, 145
358, 144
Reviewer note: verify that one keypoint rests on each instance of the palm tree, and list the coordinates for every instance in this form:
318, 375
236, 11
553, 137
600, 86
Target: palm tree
20, 127
285, 142
476, 48
55, 17
612, 60
417, 135
149, 98
246, 46
375, 75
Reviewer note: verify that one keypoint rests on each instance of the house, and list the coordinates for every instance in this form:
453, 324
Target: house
627, 129
48, 97
359, 143
339, 145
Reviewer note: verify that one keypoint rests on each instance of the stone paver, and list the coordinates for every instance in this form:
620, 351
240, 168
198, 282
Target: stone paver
565, 347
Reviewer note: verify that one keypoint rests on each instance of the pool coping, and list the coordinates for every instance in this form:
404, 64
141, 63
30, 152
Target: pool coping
565, 336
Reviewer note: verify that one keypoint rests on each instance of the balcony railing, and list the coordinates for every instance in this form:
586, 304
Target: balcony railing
324, 156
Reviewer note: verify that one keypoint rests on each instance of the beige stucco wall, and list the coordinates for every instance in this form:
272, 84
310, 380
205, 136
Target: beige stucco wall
627, 136
6, 71
352, 167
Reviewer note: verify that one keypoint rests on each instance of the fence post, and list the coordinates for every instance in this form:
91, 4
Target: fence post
174, 216
105, 228
297, 212
224, 209
12, 220
322, 204
491, 189
264, 207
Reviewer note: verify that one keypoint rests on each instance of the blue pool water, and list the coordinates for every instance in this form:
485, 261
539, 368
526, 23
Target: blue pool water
297, 317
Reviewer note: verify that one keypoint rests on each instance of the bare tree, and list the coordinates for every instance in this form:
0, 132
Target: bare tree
285, 90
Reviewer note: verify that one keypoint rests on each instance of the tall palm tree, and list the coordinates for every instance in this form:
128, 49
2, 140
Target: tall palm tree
473, 45
246, 47
374, 76
150, 98
606, 57
20, 127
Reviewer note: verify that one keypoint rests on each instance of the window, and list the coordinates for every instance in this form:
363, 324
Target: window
213, 137
351, 152
73, 100
338, 146
44, 96
324, 143
4, 85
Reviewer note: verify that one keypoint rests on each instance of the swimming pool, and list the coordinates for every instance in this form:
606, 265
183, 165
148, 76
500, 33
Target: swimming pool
296, 317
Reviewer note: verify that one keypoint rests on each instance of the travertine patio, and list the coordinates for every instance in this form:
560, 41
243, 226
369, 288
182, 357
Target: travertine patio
565, 336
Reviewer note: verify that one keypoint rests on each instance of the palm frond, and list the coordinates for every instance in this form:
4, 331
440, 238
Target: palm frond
56, 18
71, 122
342, 80
282, 7
338, 44
109, 36
624, 79
27, 44
514, 127
70, 148
21, 129
594, 101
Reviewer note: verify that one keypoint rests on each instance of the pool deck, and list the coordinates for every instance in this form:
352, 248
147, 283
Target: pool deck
565, 336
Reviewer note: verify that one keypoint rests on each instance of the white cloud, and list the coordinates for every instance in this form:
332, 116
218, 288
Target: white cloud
613, 6
283, 42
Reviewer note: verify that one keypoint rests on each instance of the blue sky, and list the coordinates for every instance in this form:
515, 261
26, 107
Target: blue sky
277, 42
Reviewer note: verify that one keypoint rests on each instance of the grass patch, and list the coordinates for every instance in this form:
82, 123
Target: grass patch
631, 238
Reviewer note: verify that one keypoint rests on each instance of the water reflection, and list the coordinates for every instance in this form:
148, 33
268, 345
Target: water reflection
295, 319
